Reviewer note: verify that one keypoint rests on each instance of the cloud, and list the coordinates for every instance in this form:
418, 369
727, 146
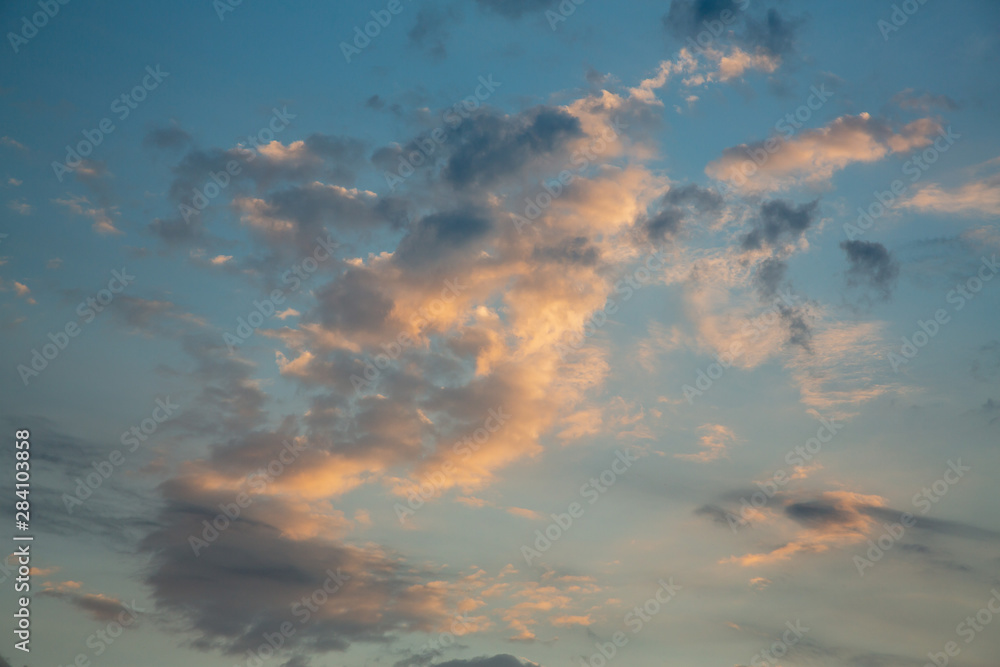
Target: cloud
686, 18
977, 198
834, 518
872, 265
430, 30
923, 101
98, 606
490, 147
171, 137
778, 220
775, 35
103, 218
675, 207
842, 368
814, 156
502, 660
12, 143
714, 443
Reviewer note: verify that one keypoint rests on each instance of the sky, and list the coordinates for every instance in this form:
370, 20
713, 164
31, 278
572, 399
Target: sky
500, 333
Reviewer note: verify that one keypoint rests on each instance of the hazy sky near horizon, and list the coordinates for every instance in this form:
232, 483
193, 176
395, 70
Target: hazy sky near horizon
504, 333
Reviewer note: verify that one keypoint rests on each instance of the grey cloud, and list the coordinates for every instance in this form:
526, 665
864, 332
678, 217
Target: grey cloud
938, 526
780, 219
770, 273
171, 136
872, 265
502, 660
686, 18
576, 250
436, 236
774, 35
430, 30
923, 101
490, 147
816, 513
353, 302
667, 221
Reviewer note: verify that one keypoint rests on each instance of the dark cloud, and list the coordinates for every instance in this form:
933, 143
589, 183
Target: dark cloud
247, 581
430, 30
674, 208
502, 660
664, 224
438, 235
577, 250
375, 102
514, 9
171, 137
770, 273
799, 331
704, 200
490, 147
353, 302
717, 514
686, 18
872, 265
816, 513
937, 526
778, 219
177, 231
774, 35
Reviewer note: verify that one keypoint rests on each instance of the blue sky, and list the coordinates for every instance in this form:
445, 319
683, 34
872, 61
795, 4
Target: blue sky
521, 320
